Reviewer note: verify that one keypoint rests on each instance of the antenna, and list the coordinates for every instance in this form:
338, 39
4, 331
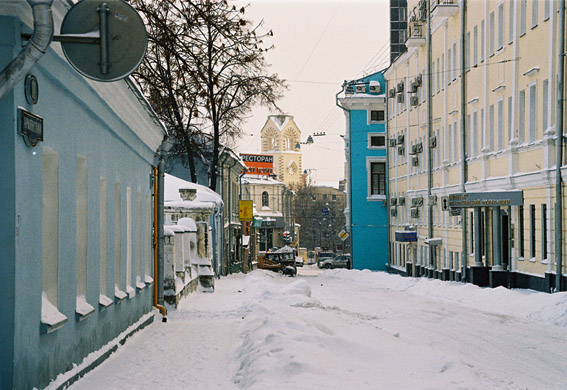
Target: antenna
120, 39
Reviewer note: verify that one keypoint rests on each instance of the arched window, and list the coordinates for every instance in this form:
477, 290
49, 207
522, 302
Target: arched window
265, 199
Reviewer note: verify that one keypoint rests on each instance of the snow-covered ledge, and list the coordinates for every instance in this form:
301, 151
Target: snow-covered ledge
139, 284
148, 280
51, 318
131, 292
119, 294
104, 301
83, 308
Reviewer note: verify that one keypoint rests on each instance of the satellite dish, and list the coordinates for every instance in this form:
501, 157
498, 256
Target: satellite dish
122, 39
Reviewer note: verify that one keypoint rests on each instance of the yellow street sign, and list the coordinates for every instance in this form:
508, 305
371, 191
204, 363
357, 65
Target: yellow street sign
245, 210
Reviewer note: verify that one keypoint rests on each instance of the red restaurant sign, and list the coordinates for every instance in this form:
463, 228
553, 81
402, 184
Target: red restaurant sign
258, 164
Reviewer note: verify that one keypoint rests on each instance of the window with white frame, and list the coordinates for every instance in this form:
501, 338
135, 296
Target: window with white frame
468, 51
523, 16
510, 110
456, 140
500, 41
438, 75
376, 115
482, 41
454, 61
449, 68
532, 135
522, 117
449, 141
475, 45
534, 13
532, 231
491, 126
491, 26
475, 139
265, 199
546, 9
500, 124
511, 23
443, 71
376, 141
545, 89
376, 172
433, 77
482, 133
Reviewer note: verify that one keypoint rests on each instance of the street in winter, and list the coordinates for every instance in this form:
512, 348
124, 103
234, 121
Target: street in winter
342, 329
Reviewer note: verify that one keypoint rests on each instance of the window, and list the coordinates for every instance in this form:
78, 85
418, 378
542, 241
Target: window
522, 117
50, 226
449, 69
546, 9
474, 143
103, 218
265, 199
376, 141
468, 51
482, 41
377, 115
523, 11
454, 61
433, 77
545, 88
475, 45
500, 124
511, 23
491, 126
377, 178
81, 226
509, 118
491, 34
118, 242
532, 231
500, 26
521, 229
471, 233
544, 231
443, 70
533, 114
450, 150
438, 75
534, 13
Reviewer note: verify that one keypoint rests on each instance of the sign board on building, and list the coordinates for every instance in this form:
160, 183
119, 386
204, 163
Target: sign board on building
325, 211
343, 235
406, 236
31, 127
245, 210
258, 164
486, 199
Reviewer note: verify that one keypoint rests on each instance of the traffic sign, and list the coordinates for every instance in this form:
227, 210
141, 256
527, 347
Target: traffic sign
343, 235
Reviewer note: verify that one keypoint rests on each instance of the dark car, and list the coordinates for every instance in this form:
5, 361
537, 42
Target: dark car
340, 261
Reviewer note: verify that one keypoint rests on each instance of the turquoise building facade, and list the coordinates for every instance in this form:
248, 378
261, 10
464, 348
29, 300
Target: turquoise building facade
363, 103
76, 214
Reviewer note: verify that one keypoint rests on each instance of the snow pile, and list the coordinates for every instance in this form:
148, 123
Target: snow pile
529, 304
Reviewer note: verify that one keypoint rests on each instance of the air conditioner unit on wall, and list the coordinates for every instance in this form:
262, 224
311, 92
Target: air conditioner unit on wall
401, 150
413, 149
413, 87
415, 161
418, 80
414, 100
374, 88
393, 201
419, 147
400, 139
433, 142
401, 201
400, 98
414, 212
400, 87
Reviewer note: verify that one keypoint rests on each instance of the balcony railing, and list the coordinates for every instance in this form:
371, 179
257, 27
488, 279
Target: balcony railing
444, 8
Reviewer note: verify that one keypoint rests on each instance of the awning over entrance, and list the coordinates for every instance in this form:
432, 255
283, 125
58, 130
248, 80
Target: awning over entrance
486, 199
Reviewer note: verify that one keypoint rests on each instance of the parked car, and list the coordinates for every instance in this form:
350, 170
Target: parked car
323, 257
340, 261
298, 261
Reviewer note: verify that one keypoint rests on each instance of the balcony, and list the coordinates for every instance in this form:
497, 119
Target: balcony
444, 8
416, 34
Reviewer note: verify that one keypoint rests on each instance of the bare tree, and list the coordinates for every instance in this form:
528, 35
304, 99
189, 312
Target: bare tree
205, 69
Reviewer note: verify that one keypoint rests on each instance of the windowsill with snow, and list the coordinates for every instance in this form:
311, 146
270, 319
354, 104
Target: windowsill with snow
83, 308
104, 302
119, 294
51, 318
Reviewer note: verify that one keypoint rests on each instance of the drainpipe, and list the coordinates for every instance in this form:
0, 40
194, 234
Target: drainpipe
34, 49
157, 247
464, 254
559, 159
241, 226
229, 216
429, 135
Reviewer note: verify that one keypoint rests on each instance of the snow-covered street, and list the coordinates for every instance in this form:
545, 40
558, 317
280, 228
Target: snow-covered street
343, 329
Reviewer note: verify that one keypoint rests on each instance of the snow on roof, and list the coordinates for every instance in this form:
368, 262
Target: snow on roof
280, 120
204, 194
175, 228
255, 179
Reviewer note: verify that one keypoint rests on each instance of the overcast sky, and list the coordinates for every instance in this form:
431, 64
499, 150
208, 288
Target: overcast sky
318, 44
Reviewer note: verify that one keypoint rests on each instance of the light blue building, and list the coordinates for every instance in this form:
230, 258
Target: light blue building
76, 269
363, 103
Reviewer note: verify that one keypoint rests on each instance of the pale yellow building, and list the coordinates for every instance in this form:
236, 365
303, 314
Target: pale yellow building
281, 138
472, 126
